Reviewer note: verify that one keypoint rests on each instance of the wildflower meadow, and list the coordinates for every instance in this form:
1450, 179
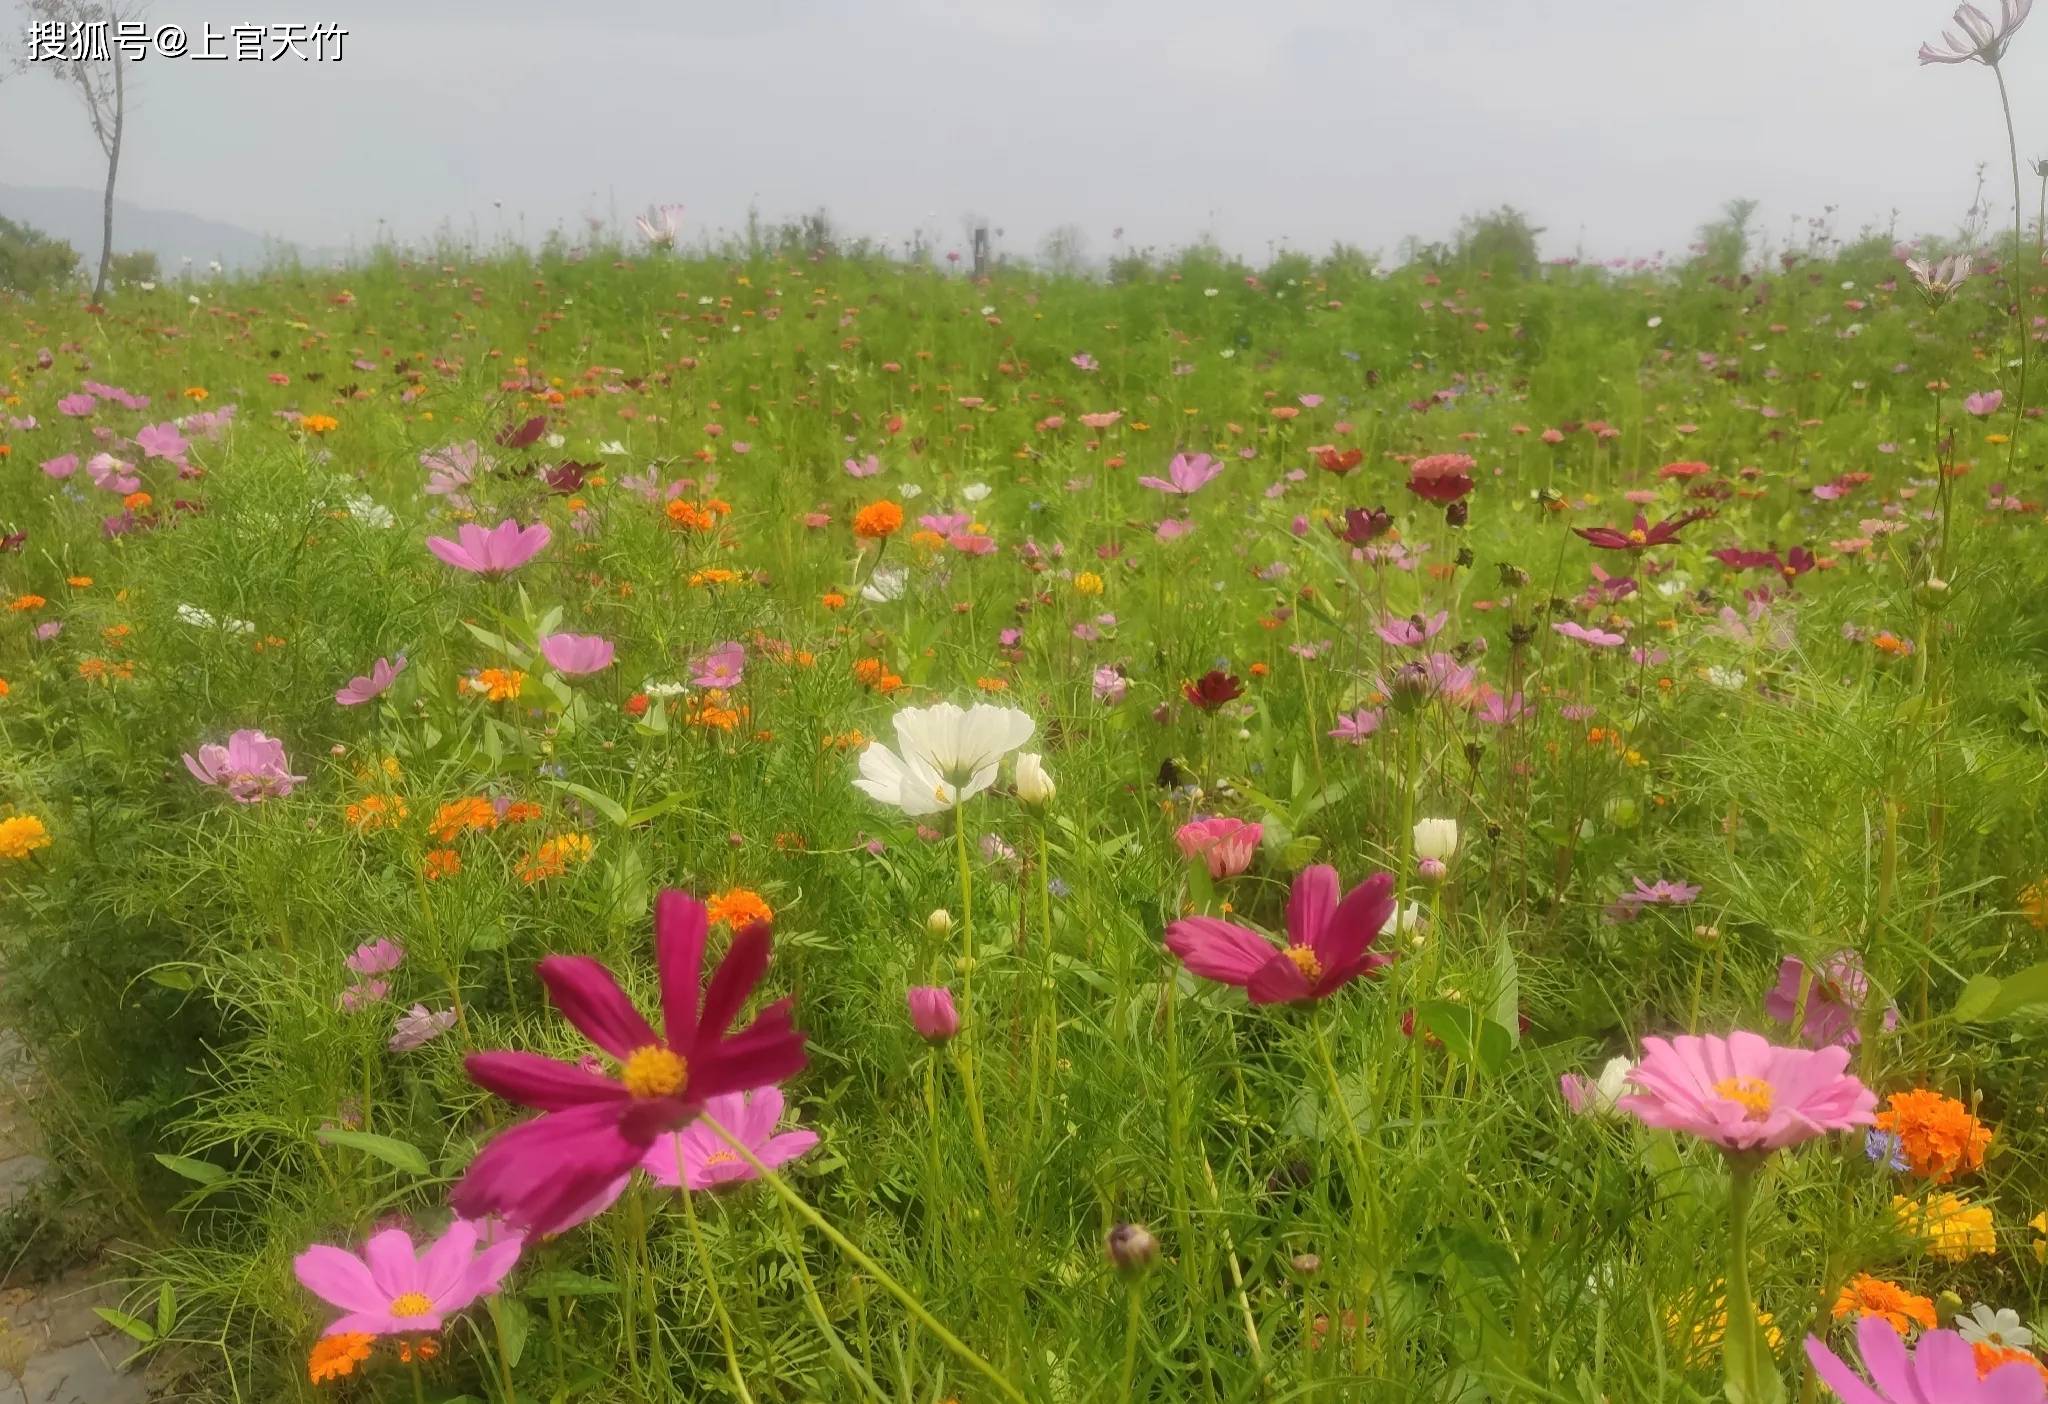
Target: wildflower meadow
654, 822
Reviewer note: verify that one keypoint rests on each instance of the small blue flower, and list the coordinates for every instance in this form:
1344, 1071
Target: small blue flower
1058, 888
1884, 1148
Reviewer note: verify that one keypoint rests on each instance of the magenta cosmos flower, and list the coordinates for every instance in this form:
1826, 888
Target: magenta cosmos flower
250, 767
1329, 942
1834, 999
1941, 1369
577, 654
1982, 40
1185, 476
394, 1289
1745, 1094
593, 1128
493, 551
1224, 845
1592, 638
932, 1012
373, 684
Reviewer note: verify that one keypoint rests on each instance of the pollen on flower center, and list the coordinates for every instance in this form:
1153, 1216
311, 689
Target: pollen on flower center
721, 1157
412, 1304
1305, 961
1753, 1093
1638, 536
653, 1071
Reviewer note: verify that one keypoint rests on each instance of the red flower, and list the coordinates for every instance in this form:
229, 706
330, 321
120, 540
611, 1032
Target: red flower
1642, 536
1362, 524
1340, 462
523, 435
1213, 689
1441, 477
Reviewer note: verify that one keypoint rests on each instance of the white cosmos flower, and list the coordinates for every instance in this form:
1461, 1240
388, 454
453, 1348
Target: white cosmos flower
370, 512
1732, 679
885, 585
945, 755
1034, 787
975, 492
1406, 919
1436, 838
1598, 1097
2002, 1327
612, 448
662, 691
200, 619
909, 490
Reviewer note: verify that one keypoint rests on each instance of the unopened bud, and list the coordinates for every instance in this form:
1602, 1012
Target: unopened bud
1132, 1249
1307, 1264
1431, 870
940, 922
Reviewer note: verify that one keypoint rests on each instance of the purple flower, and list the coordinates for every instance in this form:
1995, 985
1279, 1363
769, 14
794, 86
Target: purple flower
722, 667
1593, 638
1185, 475
1886, 1148
577, 654
418, 1027
250, 767
359, 690
378, 957
49, 629
1083, 361
493, 551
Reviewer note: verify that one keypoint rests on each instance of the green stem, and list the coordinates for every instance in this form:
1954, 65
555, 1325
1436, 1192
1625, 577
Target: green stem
1751, 1370
732, 1358
2019, 281
1131, 1319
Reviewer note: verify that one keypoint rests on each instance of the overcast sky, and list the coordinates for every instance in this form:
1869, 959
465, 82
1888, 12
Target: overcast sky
1619, 127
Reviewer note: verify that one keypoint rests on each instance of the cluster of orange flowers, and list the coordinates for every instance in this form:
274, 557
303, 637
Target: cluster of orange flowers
554, 856
476, 812
709, 711
842, 740
336, 1356
1864, 1295
374, 812
497, 684
1937, 1135
106, 670
874, 675
737, 907
696, 516
712, 575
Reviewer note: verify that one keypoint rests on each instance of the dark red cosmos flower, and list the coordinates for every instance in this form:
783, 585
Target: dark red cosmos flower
1363, 524
1797, 562
13, 541
1642, 536
1213, 689
593, 1128
1441, 477
568, 476
523, 435
1338, 462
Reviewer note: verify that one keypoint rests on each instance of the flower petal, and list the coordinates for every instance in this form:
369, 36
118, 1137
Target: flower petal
591, 999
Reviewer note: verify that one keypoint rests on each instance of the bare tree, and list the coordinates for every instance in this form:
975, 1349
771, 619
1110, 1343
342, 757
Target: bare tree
93, 67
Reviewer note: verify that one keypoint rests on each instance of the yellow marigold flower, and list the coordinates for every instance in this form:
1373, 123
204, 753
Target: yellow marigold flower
878, 521
992, 684
1954, 1229
336, 1356
1087, 583
21, 835
713, 575
1938, 1136
319, 423
737, 907
2039, 1224
1706, 1313
1864, 1295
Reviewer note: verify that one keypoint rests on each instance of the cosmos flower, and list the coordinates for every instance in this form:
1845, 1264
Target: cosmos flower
418, 1027
1940, 1369
1224, 845
491, 551
593, 1128
578, 654
1984, 404
396, 1289
1213, 689
1355, 727
1110, 685
945, 755
932, 1012
660, 225
250, 767
1939, 281
1413, 631
1592, 638
1329, 941
1642, 535
1834, 999
359, 690
1185, 475
1600, 1096
378, 957
722, 667
1745, 1094
1982, 41
1665, 892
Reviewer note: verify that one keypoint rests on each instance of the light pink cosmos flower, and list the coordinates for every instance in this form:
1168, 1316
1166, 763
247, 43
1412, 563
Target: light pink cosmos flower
161, 441
418, 1027
491, 551
1940, 1369
1414, 630
1224, 845
1745, 1094
251, 767
1592, 638
578, 654
77, 406
1834, 999
1982, 41
394, 1289
1185, 475
1355, 727
111, 474
863, 467
660, 225
723, 667
375, 683
1102, 419
1110, 685
62, 466
1984, 404
378, 957
452, 469
707, 1161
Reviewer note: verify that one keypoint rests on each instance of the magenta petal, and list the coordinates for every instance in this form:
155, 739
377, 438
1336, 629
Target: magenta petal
339, 1278
394, 1265
591, 999
780, 1150
453, 554
1218, 950
768, 1051
679, 927
536, 1175
1279, 981
1310, 905
542, 1083
746, 961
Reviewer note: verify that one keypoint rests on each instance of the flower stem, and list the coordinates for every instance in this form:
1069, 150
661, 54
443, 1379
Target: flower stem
867, 1264
2019, 281
732, 1359
1131, 1318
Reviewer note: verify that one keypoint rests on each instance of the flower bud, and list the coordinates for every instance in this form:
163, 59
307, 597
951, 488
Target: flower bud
1306, 1264
1132, 1249
1431, 870
1436, 838
940, 922
932, 1013
1034, 787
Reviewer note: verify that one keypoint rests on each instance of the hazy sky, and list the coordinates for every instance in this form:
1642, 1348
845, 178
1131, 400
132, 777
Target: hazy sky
1619, 125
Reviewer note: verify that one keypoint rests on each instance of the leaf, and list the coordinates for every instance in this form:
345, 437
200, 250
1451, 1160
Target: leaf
564, 1282
505, 646
199, 1172
514, 1321
172, 977
127, 1325
1507, 1000
1986, 998
603, 804
166, 1309
388, 1149
1978, 995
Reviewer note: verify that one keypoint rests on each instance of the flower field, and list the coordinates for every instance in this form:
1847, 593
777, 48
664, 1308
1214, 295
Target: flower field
640, 826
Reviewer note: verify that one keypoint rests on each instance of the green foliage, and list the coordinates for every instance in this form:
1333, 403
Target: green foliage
32, 262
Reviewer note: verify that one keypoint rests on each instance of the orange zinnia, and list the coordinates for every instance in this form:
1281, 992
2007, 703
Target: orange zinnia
1864, 1295
739, 907
878, 521
1938, 1136
336, 1356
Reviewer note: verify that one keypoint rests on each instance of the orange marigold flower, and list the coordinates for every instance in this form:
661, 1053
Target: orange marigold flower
452, 818
4, 688
440, 863
1989, 1357
689, 515
498, 684
832, 599
425, 1348
137, 501
1864, 1295
878, 521
22, 604
374, 812
319, 423
992, 684
195, 392
519, 811
21, 835
554, 856
79, 582
737, 907
336, 1356
1938, 1136
2034, 904
713, 575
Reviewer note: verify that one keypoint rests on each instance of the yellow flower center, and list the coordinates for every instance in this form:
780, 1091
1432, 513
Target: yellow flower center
721, 1157
653, 1071
412, 1304
1753, 1093
1639, 536
1305, 961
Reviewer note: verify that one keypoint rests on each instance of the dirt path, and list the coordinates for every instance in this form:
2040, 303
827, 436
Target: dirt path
53, 1349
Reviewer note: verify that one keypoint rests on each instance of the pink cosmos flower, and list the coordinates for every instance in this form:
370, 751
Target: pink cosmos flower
1110, 685
932, 1013
722, 667
1224, 845
971, 543
1184, 475
250, 767
1982, 41
62, 466
450, 470
577, 654
660, 225
375, 683
418, 1027
111, 474
1834, 999
1329, 942
361, 995
160, 441
493, 551
1414, 630
1592, 638
1745, 1094
863, 467
1496, 710
1940, 1369
1102, 419
1984, 405
1355, 727
378, 957
593, 1128
77, 406
1665, 892
708, 1162
394, 1289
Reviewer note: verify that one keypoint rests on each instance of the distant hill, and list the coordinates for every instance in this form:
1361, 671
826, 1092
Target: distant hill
74, 216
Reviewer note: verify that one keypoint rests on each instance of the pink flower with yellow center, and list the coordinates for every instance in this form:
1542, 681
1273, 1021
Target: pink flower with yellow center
1745, 1094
